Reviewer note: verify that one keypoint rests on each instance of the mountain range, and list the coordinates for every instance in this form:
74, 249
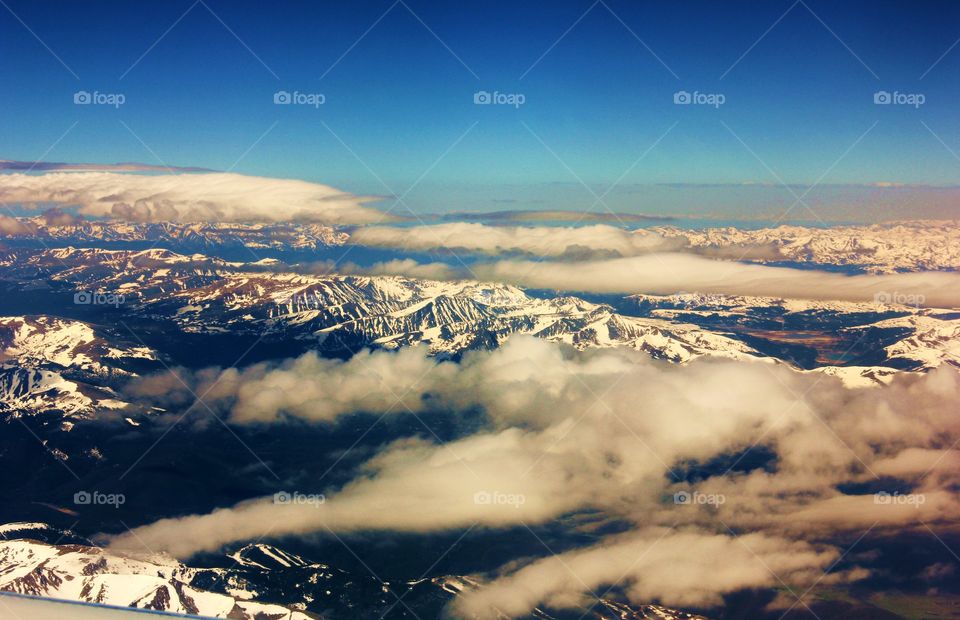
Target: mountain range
39, 560
81, 322
890, 247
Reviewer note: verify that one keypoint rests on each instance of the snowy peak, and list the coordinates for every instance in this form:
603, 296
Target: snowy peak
42, 532
345, 312
39, 340
934, 339
258, 571
338, 314
878, 248
28, 390
92, 575
184, 236
49, 363
266, 557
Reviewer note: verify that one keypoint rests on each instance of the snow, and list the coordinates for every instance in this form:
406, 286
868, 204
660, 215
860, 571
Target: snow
878, 248
90, 574
933, 340
858, 376
67, 343
22, 525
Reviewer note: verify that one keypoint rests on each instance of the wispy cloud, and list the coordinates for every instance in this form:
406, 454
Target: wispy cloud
603, 431
538, 241
669, 273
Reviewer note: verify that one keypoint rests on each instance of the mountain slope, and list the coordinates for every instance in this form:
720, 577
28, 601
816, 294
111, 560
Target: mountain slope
89, 574
189, 237
203, 295
877, 248
50, 363
301, 589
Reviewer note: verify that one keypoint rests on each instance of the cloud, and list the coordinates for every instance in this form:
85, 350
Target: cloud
568, 243
15, 227
58, 217
411, 268
604, 432
397, 267
539, 215
668, 273
543, 241
685, 567
212, 197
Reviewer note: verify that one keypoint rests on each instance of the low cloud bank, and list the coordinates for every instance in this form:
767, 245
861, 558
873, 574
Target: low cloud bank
210, 197
13, 227
683, 566
600, 241
668, 273
603, 431
407, 267
665, 274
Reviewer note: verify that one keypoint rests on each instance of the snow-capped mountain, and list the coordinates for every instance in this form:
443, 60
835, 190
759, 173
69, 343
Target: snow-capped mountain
296, 588
891, 338
934, 339
41, 340
28, 390
206, 296
183, 237
199, 294
878, 248
89, 574
57, 364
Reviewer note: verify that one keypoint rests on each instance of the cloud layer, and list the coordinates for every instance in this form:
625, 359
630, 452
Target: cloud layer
609, 260
212, 197
665, 274
610, 433
669, 273
539, 241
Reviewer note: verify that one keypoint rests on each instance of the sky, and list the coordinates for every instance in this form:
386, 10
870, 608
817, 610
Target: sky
588, 88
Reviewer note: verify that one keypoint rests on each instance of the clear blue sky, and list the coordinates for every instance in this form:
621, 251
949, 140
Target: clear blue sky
400, 95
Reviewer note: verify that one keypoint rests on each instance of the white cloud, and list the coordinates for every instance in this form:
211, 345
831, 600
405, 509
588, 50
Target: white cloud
538, 241
665, 274
203, 197
14, 227
669, 273
687, 567
600, 431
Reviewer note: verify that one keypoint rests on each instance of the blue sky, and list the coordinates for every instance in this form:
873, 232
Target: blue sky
399, 94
